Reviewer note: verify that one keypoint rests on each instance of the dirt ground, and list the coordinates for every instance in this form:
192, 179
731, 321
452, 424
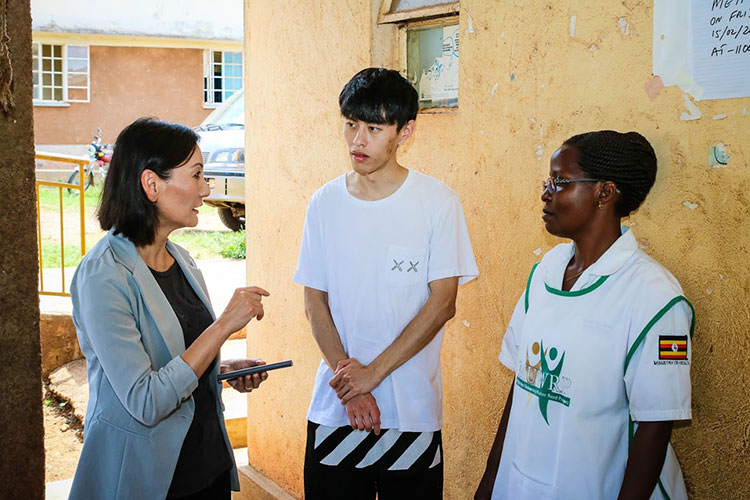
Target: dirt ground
63, 439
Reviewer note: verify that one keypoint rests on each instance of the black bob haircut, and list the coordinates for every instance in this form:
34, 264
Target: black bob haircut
147, 143
379, 95
627, 159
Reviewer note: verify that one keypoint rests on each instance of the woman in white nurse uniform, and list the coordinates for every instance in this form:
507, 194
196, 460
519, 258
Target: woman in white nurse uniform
600, 343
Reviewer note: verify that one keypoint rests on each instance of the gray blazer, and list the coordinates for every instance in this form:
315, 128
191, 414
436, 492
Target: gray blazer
140, 390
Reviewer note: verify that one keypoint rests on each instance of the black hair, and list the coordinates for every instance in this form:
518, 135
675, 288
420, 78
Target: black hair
627, 159
147, 143
379, 95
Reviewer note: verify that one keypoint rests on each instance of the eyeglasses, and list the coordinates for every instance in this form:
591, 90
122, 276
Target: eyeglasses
553, 184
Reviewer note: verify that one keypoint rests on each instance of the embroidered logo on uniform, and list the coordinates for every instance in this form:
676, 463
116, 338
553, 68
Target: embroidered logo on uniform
673, 347
397, 265
543, 380
413, 266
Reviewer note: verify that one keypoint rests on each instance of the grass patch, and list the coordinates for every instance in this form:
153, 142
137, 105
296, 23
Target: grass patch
201, 244
49, 199
211, 244
49, 202
51, 255
236, 246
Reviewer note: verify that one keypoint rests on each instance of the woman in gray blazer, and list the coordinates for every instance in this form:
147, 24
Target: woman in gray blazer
154, 427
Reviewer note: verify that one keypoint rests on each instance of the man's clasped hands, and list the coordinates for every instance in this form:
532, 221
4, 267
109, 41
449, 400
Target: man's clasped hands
353, 383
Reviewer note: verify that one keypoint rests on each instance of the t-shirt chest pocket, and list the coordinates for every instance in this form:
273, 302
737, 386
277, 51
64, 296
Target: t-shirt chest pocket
405, 265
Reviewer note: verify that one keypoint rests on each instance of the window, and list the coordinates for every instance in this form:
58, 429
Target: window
395, 11
430, 44
60, 72
432, 64
78, 73
222, 75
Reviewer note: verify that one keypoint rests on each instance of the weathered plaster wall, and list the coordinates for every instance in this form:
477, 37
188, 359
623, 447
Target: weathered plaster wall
127, 83
526, 85
294, 70
22, 436
59, 342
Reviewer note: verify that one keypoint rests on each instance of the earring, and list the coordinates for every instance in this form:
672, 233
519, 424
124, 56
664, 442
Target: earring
600, 204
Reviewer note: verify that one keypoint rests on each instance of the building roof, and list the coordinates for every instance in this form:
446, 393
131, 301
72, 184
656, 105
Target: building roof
190, 19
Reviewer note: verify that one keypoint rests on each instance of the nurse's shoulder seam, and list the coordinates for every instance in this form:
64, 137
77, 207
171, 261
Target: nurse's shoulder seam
653, 275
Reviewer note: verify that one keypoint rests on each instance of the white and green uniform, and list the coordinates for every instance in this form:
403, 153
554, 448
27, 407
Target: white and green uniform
613, 350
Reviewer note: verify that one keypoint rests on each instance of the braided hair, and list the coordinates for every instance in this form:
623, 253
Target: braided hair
626, 159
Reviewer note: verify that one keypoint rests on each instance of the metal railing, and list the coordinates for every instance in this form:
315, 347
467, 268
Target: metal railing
82, 162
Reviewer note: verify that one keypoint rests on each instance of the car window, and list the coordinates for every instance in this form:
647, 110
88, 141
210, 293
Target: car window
232, 112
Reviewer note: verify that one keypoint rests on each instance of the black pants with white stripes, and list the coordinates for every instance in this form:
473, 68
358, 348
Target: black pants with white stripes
347, 464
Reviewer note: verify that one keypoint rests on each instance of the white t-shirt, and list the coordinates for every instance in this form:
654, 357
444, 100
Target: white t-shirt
375, 260
617, 345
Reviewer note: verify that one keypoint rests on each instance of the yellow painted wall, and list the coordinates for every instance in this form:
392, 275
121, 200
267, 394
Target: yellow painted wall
494, 151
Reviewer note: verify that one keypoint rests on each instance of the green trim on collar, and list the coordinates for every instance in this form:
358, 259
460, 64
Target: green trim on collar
577, 293
528, 285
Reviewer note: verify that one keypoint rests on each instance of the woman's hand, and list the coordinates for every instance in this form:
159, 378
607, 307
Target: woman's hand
248, 382
244, 305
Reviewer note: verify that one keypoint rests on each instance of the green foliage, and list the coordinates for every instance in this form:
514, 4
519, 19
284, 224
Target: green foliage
49, 198
235, 248
211, 244
200, 243
49, 204
51, 254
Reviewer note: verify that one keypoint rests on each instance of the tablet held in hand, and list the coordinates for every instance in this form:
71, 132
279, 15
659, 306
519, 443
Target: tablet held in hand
254, 369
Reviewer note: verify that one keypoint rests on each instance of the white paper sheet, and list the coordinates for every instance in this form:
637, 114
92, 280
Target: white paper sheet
671, 41
703, 46
720, 47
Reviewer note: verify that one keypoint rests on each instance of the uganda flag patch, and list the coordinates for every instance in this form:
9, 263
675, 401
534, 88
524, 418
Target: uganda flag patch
672, 346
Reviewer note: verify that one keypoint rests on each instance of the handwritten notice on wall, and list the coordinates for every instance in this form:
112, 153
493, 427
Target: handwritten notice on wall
703, 46
720, 47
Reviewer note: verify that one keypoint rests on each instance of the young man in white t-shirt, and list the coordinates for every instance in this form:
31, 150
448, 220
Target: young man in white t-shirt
383, 252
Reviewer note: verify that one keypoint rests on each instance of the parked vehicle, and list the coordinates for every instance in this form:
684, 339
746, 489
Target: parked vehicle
226, 178
99, 155
222, 142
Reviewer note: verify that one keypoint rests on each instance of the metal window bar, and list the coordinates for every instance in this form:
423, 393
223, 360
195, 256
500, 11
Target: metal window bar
82, 162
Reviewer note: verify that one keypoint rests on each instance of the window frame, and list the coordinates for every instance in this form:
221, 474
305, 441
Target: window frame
39, 70
209, 78
420, 18
403, 49
68, 72
385, 16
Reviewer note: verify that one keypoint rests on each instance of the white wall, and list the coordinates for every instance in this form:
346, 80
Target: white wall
202, 19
